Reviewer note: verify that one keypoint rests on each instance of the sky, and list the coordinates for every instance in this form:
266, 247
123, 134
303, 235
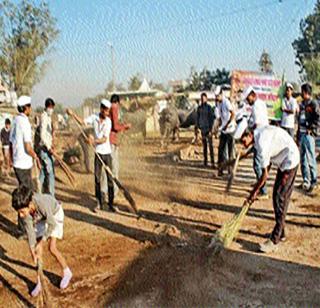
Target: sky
162, 39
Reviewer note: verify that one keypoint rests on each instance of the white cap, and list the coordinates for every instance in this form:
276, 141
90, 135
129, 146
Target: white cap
246, 92
241, 127
289, 85
24, 100
106, 103
217, 90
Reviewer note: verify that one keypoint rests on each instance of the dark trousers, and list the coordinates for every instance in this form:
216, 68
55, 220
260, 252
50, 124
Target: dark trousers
207, 140
24, 177
97, 176
282, 191
225, 150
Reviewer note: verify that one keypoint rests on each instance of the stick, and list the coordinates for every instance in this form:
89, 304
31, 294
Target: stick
44, 298
38, 184
125, 192
65, 168
231, 162
233, 172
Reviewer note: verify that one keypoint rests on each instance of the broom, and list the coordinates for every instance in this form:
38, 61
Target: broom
65, 168
233, 173
125, 192
226, 234
44, 298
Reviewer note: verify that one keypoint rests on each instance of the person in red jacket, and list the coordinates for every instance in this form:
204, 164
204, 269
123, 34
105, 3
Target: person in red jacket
117, 127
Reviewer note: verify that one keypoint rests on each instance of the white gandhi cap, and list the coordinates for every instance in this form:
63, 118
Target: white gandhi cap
24, 100
246, 92
106, 103
217, 90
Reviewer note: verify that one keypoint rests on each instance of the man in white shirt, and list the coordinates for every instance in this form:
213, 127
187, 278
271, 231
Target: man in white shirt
44, 147
101, 140
21, 148
257, 119
226, 115
274, 146
289, 108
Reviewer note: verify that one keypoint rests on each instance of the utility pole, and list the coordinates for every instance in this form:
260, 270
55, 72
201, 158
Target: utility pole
112, 67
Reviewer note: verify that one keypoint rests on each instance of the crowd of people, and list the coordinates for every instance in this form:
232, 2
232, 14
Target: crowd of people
40, 215
274, 144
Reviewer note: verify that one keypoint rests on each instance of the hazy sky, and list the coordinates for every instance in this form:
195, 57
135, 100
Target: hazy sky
162, 39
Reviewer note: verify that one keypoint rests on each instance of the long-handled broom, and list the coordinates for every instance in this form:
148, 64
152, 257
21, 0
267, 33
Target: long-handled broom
44, 298
233, 172
124, 190
225, 235
65, 168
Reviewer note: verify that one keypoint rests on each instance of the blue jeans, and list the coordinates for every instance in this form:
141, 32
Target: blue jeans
47, 173
308, 159
258, 171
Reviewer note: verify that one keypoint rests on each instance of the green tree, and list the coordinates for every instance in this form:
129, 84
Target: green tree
221, 76
205, 80
265, 63
27, 31
135, 82
307, 46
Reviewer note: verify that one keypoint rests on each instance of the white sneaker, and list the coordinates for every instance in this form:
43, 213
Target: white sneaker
35, 292
67, 275
268, 246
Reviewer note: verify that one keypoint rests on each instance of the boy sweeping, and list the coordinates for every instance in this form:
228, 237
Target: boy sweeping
42, 216
273, 145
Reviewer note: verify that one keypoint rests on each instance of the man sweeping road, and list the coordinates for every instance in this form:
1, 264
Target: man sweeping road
101, 140
274, 145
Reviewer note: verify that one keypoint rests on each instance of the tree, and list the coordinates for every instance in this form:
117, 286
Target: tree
27, 32
265, 63
307, 46
205, 80
221, 77
135, 82
118, 87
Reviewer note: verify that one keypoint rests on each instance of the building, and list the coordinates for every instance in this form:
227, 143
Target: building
7, 97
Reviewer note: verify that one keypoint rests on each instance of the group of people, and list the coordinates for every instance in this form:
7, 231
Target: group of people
269, 144
40, 215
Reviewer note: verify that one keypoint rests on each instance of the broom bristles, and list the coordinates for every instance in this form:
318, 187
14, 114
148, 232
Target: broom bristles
226, 234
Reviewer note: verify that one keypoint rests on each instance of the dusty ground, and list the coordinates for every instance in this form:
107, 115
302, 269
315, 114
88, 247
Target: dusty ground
160, 259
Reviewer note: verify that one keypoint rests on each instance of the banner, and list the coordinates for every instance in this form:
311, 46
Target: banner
267, 87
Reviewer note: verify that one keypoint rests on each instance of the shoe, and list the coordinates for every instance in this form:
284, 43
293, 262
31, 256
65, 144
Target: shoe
268, 246
112, 209
96, 208
22, 236
220, 172
312, 188
263, 197
304, 186
67, 275
35, 292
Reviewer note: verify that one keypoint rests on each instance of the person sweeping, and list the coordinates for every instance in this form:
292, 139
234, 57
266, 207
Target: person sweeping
42, 216
101, 141
273, 145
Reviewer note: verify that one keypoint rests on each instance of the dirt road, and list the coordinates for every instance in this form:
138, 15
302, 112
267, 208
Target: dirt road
160, 259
